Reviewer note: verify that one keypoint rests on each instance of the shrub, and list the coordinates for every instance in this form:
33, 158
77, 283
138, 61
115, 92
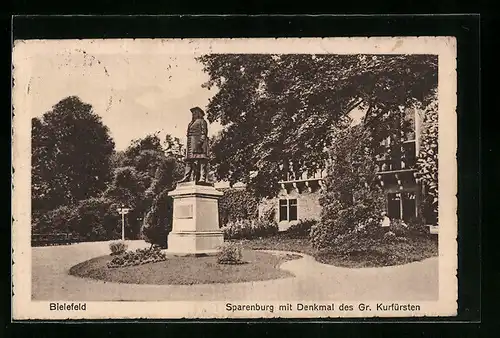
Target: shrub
92, 219
269, 215
96, 219
247, 229
418, 227
118, 247
389, 236
399, 227
229, 253
302, 229
402, 239
237, 204
363, 240
241, 229
321, 235
158, 222
59, 220
264, 228
138, 257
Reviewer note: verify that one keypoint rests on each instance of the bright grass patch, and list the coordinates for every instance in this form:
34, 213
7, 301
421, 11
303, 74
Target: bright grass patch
280, 243
258, 266
387, 254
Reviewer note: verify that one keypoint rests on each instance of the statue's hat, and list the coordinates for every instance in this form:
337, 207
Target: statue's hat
197, 110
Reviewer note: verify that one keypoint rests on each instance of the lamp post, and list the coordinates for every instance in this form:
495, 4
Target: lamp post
123, 211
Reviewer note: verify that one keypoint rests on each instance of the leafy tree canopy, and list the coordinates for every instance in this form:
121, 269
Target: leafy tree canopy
352, 199
71, 155
144, 170
279, 108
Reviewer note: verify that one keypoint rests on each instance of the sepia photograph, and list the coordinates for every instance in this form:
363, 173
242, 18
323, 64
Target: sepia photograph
234, 178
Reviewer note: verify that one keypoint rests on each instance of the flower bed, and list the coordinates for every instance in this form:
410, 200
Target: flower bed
188, 270
138, 257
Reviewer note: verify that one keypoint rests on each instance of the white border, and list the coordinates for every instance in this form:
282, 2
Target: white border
24, 51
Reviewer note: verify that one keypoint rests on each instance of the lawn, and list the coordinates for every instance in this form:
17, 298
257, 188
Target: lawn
258, 266
279, 242
387, 254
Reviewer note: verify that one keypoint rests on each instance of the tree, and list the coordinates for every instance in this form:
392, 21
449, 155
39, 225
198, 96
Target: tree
146, 170
353, 200
118, 159
165, 177
174, 147
277, 109
96, 219
71, 155
158, 220
149, 142
127, 187
145, 154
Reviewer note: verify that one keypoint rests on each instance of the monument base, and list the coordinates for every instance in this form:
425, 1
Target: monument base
195, 228
194, 242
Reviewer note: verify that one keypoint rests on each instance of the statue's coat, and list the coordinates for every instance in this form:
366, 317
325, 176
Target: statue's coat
197, 140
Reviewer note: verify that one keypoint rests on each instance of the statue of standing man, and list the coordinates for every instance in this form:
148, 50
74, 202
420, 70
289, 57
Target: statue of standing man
196, 148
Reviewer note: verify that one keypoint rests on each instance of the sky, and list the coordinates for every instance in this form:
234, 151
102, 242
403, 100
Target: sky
137, 88
134, 93
140, 86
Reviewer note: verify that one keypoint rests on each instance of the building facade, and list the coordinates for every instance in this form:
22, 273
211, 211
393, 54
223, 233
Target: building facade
298, 198
396, 169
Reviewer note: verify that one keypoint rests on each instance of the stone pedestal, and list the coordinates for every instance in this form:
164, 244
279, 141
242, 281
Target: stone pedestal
195, 228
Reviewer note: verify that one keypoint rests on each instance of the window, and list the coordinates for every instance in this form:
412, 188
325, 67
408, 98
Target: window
410, 154
401, 205
409, 206
394, 205
288, 210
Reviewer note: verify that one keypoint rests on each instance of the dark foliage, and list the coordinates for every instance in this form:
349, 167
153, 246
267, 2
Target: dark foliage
158, 222
427, 163
93, 219
352, 200
237, 204
144, 172
71, 155
302, 229
274, 112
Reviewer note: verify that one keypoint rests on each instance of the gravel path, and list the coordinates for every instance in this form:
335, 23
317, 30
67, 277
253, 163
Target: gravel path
313, 282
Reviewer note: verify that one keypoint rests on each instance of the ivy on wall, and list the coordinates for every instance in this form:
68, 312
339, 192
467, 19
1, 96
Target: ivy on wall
237, 204
353, 201
427, 162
